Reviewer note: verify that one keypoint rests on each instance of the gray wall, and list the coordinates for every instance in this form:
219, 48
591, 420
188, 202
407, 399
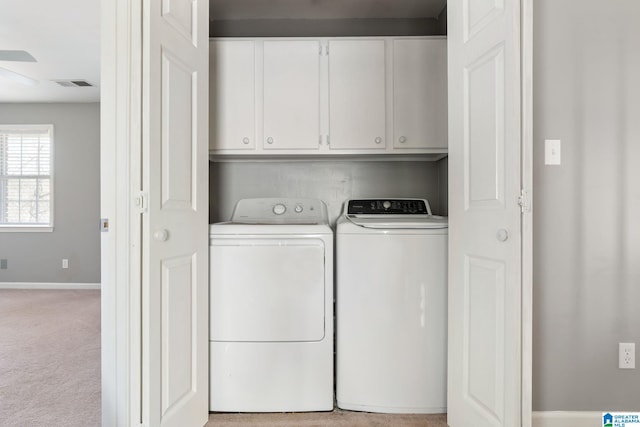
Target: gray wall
332, 181
37, 257
586, 227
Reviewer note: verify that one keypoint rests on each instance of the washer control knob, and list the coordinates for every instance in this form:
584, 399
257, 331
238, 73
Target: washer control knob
298, 208
279, 209
386, 204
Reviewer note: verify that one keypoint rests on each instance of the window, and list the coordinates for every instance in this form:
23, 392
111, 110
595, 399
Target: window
26, 179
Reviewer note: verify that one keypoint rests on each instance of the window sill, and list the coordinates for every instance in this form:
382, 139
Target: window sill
26, 228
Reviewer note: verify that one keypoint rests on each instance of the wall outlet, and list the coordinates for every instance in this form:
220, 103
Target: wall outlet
627, 355
65, 263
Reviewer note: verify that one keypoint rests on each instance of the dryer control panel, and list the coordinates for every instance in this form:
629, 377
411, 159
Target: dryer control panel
280, 211
388, 207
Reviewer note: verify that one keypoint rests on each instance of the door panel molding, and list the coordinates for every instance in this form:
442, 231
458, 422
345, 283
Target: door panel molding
478, 14
484, 330
179, 295
178, 88
182, 16
484, 130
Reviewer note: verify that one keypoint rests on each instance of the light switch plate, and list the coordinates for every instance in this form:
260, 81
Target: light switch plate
551, 151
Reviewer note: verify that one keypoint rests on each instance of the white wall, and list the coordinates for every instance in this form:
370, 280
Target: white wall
332, 181
586, 227
37, 257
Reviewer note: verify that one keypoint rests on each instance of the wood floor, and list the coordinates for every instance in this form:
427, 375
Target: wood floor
337, 418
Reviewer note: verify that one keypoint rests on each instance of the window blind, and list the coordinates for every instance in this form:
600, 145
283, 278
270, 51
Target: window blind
25, 176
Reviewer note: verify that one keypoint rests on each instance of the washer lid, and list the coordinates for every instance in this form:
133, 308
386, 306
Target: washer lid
380, 207
399, 221
394, 213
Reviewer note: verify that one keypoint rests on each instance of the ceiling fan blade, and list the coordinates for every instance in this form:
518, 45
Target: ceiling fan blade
16, 55
11, 75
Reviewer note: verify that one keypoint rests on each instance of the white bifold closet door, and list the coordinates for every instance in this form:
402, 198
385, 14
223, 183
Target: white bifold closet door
485, 254
175, 224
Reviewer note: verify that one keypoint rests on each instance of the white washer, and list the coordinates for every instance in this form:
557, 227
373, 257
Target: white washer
391, 307
271, 308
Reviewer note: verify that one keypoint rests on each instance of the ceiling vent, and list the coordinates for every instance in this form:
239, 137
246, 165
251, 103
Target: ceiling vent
73, 83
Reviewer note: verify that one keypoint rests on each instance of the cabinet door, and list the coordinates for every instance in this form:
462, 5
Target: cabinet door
357, 94
232, 95
291, 94
420, 93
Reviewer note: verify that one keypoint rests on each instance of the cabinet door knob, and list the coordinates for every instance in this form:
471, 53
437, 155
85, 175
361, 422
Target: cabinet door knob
378, 140
270, 140
402, 139
502, 235
245, 140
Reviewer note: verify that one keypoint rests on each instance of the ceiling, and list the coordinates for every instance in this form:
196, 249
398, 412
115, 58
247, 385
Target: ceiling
64, 36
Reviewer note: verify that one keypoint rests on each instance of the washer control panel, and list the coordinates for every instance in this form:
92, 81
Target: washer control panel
280, 211
388, 207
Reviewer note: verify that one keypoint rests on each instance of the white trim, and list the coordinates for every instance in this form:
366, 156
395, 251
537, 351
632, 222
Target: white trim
526, 81
567, 419
26, 228
121, 37
48, 285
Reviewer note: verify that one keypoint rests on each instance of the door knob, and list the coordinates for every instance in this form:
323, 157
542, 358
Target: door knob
161, 235
502, 235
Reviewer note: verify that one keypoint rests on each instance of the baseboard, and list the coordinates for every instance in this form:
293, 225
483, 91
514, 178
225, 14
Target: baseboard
47, 285
567, 419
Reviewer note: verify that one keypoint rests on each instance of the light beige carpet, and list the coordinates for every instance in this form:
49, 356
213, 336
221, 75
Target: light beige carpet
336, 418
49, 358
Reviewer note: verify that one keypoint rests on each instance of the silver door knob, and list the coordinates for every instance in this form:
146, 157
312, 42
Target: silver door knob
378, 140
402, 139
161, 235
270, 140
502, 235
245, 140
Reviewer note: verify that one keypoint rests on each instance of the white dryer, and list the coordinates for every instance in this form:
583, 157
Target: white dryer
271, 308
391, 307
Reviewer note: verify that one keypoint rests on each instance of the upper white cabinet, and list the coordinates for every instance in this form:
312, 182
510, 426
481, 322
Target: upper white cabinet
328, 96
420, 93
232, 95
357, 94
291, 107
